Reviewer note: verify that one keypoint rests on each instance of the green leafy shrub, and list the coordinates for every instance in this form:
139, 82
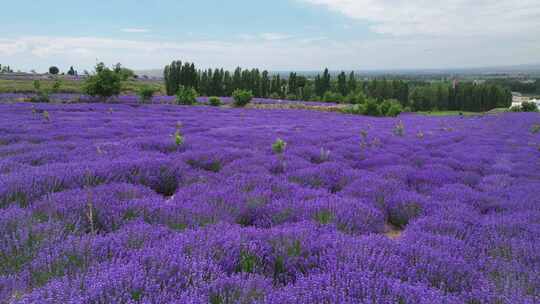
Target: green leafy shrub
214, 101
385, 106
515, 109
279, 146
41, 95
178, 138
529, 107
104, 83
371, 108
358, 109
330, 96
186, 96
356, 98
146, 93
242, 97
390, 108
394, 110
56, 86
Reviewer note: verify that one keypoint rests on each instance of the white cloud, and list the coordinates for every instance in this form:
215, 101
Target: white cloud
39, 52
443, 17
135, 30
275, 36
265, 36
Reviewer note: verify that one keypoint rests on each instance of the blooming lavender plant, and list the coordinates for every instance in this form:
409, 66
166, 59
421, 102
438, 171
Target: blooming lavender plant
101, 206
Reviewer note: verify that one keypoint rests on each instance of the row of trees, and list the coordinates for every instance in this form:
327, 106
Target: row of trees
5, 69
345, 88
531, 86
219, 82
177, 75
461, 97
53, 70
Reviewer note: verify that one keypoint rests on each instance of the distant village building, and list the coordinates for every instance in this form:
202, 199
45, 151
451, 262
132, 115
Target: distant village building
517, 99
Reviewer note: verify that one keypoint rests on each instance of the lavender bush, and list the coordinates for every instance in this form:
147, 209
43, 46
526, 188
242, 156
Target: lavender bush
101, 203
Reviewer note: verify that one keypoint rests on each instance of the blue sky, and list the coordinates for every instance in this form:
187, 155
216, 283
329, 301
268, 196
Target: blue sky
276, 35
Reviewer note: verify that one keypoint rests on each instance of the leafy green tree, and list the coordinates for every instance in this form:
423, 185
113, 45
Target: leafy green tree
54, 70
104, 83
342, 84
177, 74
529, 107
5, 69
171, 75
292, 84
326, 80
72, 71
351, 83
124, 73
237, 79
265, 84
275, 86
186, 96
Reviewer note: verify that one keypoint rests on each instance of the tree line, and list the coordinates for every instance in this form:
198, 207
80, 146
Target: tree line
345, 88
531, 86
5, 69
465, 96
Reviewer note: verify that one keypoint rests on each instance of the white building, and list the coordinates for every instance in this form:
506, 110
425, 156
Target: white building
517, 103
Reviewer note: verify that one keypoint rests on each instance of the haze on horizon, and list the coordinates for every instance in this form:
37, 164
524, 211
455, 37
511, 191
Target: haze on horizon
274, 35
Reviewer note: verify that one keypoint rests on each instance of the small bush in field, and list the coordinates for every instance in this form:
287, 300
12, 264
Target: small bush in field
56, 86
356, 98
332, 97
279, 146
371, 108
529, 107
146, 93
214, 101
41, 95
394, 110
178, 138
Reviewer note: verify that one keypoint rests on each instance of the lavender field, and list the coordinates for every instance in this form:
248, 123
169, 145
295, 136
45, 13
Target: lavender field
101, 204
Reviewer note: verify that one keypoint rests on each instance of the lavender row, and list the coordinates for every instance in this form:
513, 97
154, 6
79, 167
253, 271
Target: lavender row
161, 99
101, 205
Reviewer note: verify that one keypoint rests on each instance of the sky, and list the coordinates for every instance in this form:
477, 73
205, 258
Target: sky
274, 35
